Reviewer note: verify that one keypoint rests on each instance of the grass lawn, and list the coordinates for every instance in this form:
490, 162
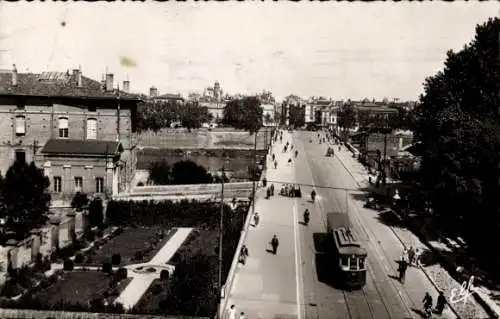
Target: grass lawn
128, 243
203, 240
75, 287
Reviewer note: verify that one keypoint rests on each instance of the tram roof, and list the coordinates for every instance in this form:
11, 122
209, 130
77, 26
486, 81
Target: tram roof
347, 243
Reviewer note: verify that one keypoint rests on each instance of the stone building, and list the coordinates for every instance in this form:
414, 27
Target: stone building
77, 129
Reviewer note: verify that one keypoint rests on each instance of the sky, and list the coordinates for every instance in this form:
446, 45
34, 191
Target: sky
331, 49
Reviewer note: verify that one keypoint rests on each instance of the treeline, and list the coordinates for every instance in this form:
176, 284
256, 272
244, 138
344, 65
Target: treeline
458, 123
155, 115
243, 113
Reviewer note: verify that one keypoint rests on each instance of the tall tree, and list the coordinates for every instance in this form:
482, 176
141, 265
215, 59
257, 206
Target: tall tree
25, 197
459, 125
297, 115
347, 116
192, 115
245, 113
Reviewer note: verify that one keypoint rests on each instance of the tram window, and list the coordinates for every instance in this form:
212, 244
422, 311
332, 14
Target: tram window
361, 263
354, 263
344, 261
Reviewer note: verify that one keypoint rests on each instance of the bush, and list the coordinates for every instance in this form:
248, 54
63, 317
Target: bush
68, 265
96, 216
79, 258
156, 289
116, 259
139, 255
164, 275
106, 267
80, 201
121, 274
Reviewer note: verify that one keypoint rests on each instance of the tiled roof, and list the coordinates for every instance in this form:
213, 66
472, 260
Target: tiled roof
59, 84
80, 147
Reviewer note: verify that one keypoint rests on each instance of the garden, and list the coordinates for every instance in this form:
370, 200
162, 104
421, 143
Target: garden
92, 278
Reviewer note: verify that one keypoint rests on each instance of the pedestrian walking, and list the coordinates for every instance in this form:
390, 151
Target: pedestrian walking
242, 315
256, 219
404, 255
231, 313
243, 254
274, 157
268, 193
440, 303
427, 301
418, 254
272, 189
403, 265
411, 256
275, 244
275, 165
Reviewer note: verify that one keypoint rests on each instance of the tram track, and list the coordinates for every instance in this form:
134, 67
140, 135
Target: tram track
360, 304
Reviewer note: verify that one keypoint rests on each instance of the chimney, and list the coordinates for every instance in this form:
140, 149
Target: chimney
126, 86
153, 92
109, 82
14, 75
78, 77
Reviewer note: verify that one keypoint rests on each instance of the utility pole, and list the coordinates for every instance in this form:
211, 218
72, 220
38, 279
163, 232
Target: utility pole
385, 157
254, 171
221, 231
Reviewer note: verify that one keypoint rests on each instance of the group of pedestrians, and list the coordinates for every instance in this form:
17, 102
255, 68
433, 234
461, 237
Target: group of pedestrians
409, 257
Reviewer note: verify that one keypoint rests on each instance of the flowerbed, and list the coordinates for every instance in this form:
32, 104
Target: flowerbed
133, 245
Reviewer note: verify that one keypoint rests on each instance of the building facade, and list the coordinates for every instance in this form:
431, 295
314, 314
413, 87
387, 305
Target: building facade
77, 129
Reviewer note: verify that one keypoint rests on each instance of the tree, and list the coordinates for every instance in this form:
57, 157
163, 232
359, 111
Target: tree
25, 197
159, 173
297, 116
96, 215
80, 201
347, 116
245, 113
188, 172
193, 116
458, 124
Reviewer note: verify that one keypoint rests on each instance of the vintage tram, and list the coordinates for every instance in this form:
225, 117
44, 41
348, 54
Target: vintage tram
349, 255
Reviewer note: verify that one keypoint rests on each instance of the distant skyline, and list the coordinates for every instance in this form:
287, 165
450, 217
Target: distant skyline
337, 50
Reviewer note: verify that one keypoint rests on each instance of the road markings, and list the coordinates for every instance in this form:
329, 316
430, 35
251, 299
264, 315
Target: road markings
298, 267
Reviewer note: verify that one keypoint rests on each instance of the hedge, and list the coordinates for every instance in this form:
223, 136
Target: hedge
166, 213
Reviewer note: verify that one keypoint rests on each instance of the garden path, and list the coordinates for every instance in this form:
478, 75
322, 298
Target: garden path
141, 281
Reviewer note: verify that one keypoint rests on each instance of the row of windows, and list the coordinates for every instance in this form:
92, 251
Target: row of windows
99, 184
63, 127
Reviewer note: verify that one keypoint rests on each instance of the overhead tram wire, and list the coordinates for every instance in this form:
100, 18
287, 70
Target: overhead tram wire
314, 185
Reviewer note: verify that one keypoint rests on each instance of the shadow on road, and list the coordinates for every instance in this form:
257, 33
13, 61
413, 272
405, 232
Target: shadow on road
418, 312
325, 263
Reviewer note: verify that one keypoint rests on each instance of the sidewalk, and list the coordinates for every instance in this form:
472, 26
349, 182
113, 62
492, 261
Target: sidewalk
265, 287
437, 275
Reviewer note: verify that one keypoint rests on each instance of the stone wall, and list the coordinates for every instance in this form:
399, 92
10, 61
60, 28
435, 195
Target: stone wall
57, 234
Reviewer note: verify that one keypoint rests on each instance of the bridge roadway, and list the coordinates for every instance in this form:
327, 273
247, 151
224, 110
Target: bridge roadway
296, 282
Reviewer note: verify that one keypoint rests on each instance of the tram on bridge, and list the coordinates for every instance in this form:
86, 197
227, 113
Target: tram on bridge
349, 255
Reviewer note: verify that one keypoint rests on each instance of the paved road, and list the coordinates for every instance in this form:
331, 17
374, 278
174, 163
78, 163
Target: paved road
383, 296
296, 282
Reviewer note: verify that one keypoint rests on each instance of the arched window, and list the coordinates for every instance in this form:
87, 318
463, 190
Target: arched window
20, 125
91, 129
63, 127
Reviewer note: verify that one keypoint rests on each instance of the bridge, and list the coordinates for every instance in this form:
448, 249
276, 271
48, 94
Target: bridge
240, 191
